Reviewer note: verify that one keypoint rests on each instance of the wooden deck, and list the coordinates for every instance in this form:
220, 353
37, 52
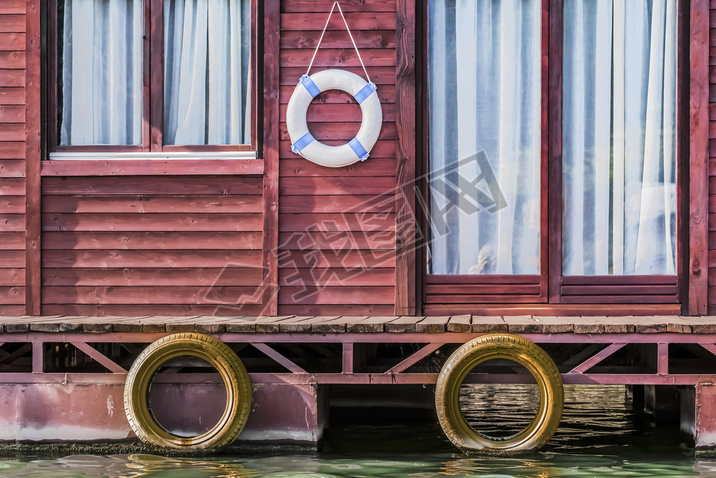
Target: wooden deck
368, 325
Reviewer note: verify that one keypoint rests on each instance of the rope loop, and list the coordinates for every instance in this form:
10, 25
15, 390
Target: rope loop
349, 34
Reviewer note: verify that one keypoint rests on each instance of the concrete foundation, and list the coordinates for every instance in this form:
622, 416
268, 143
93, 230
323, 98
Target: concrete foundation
698, 416
280, 413
705, 418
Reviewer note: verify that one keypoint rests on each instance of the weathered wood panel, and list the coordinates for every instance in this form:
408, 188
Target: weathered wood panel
303, 6
151, 276
702, 110
378, 75
337, 39
162, 310
405, 205
12, 23
337, 241
163, 245
12, 96
13, 41
167, 240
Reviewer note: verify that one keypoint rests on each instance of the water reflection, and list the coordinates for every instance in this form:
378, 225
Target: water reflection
599, 437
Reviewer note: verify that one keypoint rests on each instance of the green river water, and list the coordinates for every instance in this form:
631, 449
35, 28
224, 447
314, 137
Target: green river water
599, 436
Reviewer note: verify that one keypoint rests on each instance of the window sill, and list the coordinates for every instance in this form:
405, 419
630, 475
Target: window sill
242, 163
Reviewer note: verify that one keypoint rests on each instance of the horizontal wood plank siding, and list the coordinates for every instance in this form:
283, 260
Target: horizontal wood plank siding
712, 162
165, 245
13, 26
337, 226
471, 293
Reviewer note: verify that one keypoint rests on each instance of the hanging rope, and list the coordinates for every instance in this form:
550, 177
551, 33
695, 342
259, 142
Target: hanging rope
349, 34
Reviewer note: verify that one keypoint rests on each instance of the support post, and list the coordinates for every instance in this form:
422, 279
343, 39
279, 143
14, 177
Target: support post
705, 419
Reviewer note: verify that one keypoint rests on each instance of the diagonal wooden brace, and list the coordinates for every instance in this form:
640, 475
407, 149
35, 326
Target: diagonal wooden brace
279, 358
10, 358
595, 359
415, 358
94, 354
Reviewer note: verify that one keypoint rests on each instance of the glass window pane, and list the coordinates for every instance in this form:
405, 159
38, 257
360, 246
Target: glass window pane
619, 137
484, 80
100, 65
206, 71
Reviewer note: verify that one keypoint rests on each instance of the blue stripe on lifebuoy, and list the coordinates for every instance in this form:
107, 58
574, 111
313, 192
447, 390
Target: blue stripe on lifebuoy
310, 86
303, 141
358, 149
365, 92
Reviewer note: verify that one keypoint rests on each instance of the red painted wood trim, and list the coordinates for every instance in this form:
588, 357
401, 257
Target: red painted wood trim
256, 66
621, 290
33, 150
620, 280
97, 148
271, 69
405, 273
52, 71
556, 21
155, 66
422, 157
682, 152
198, 148
175, 167
481, 279
147, 78
698, 153
544, 251
607, 310
304, 6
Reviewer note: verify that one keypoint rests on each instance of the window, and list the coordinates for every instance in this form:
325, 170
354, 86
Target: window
552, 154
152, 75
484, 82
619, 137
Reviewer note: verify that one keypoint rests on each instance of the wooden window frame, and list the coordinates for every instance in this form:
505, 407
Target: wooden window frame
153, 89
550, 291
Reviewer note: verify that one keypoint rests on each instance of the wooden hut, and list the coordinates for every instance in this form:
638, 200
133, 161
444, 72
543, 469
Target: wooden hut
536, 159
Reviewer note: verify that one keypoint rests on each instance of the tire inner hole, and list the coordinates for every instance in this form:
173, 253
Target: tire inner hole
499, 410
187, 396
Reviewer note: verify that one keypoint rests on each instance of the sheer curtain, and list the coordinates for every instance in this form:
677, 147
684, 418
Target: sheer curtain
619, 137
101, 72
206, 71
484, 90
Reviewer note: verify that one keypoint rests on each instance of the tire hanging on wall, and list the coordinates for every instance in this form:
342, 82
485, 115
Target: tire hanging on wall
499, 346
216, 353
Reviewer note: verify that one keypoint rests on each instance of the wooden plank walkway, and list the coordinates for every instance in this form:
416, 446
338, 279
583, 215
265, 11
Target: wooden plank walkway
362, 325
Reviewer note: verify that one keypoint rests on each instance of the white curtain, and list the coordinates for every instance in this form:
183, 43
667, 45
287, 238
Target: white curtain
101, 72
484, 90
619, 137
206, 71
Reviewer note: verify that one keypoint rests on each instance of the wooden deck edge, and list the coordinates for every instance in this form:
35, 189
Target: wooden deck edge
361, 325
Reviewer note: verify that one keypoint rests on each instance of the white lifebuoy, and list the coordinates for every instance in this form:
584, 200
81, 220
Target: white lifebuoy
303, 143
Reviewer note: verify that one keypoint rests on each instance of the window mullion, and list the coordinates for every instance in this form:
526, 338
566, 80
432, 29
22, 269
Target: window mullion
556, 21
154, 75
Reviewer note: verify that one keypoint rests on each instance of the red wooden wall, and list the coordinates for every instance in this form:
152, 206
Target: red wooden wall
119, 239
12, 154
149, 245
356, 272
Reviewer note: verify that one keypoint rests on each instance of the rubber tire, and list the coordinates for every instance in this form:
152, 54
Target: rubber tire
499, 346
216, 353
